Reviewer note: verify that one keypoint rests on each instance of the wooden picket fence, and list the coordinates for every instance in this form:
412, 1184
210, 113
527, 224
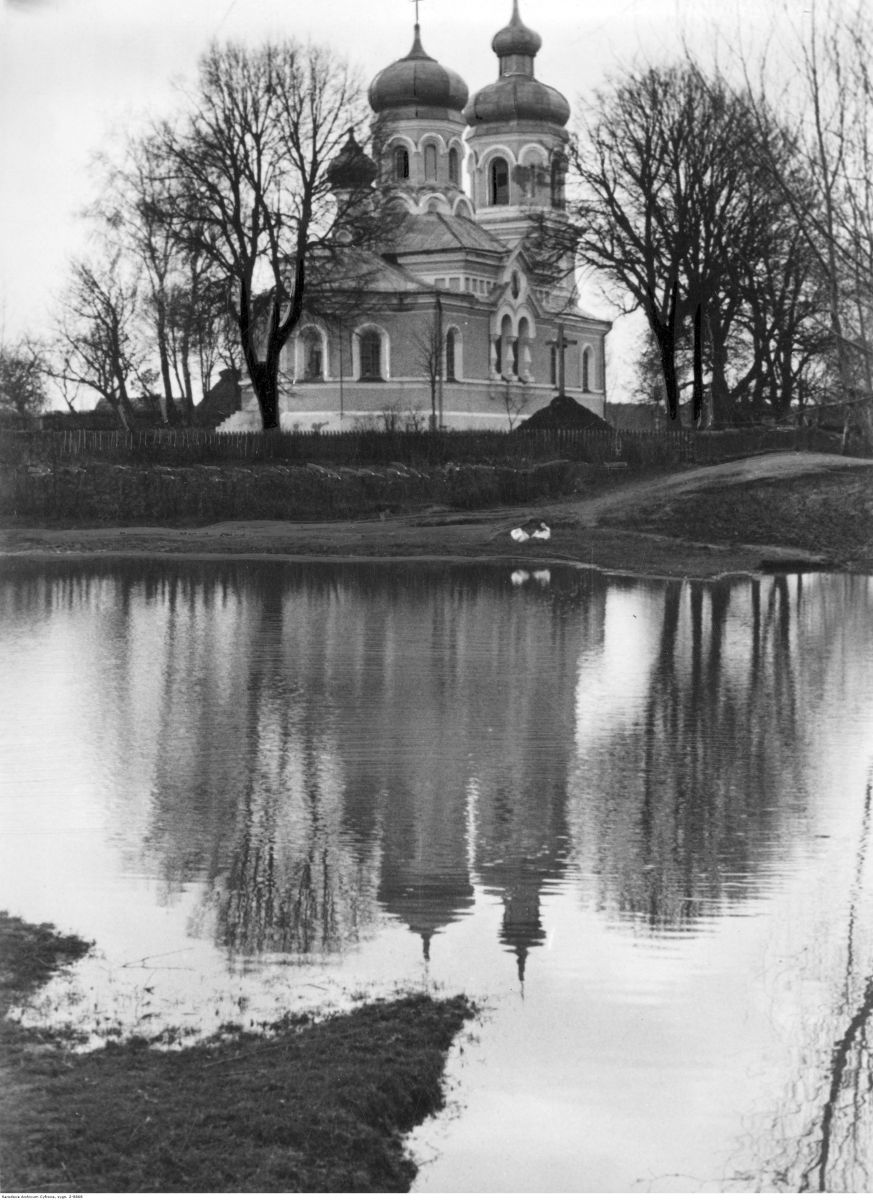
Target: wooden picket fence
374, 447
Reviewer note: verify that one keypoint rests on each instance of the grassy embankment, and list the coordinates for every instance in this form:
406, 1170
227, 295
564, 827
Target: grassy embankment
100, 480
304, 1107
828, 513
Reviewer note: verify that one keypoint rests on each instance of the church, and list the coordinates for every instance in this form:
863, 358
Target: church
457, 327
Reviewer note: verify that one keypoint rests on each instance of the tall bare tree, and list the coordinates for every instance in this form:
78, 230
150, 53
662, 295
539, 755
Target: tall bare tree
247, 187
97, 345
624, 214
672, 200
826, 97
429, 349
178, 284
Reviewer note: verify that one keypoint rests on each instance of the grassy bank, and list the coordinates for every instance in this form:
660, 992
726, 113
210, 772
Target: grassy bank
308, 1107
695, 521
110, 493
830, 514
193, 478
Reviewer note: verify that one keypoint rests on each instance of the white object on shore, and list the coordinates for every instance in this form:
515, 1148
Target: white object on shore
531, 529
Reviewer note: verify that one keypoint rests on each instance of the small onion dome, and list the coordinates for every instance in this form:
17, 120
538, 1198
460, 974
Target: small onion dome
516, 38
352, 168
516, 95
517, 98
417, 81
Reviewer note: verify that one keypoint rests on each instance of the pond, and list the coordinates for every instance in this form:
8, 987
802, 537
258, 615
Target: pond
630, 818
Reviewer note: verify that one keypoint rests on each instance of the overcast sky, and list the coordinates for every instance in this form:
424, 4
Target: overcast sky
74, 71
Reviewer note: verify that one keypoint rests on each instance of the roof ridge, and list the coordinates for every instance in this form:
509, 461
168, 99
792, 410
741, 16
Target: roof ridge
446, 225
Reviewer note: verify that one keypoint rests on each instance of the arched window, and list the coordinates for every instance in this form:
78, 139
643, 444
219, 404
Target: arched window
524, 355
454, 166
586, 369
450, 356
371, 354
505, 349
499, 181
401, 163
557, 189
430, 161
313, 355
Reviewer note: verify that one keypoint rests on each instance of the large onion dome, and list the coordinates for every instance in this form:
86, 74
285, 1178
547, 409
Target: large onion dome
352, 169
516, 95
417, 81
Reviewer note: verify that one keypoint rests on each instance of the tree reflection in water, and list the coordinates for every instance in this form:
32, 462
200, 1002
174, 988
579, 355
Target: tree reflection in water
840, 1135
320, 751
335, 740
682, 799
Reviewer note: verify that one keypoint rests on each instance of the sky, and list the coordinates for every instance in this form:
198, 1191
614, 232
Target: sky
75, 75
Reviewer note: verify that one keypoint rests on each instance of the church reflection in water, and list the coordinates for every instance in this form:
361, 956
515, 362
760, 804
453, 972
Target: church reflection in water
387, 768
333, 747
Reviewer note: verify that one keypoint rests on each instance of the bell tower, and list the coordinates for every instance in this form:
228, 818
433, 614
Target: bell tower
516, 135
418, 131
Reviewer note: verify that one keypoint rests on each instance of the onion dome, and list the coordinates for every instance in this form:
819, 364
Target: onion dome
516, 95
516, 38
517, 99
417, 81
352, 169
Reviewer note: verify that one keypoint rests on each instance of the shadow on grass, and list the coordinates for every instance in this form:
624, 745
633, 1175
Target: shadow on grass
319, 1108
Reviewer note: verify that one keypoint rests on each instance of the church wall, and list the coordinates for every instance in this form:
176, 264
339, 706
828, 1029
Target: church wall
469, 404
475, 399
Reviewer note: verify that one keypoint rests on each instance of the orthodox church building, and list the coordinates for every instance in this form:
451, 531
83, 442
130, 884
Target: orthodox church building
456, 327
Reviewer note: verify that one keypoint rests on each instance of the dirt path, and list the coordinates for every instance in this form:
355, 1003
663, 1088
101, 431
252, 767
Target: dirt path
636, 526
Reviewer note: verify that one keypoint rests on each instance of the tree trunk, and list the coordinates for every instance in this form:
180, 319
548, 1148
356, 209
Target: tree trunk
697, 384
665, 335
187, 389
265, 381
782, 401
188, 397
263, 374
125, 406
719, 396
165, 401
123, 418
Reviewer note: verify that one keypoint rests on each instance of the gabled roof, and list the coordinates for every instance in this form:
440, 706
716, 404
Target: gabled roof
425, 233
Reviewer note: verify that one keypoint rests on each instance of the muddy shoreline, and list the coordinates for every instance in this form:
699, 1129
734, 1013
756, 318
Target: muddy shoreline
303, 1107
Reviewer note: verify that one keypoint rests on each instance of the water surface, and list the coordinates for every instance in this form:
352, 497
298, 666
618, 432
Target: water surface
630, 818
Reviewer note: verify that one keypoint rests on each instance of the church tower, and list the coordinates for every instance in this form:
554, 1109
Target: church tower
516, 137
418, 132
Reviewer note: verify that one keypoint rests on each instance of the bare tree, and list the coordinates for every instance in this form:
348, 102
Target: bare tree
97, 344
828, 102
672, 200
22, 378
623, 216
247, 186
180, 287
514, 395
126, 217
429, 354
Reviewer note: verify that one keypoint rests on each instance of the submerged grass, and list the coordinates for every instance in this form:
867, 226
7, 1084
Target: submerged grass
317, 1108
